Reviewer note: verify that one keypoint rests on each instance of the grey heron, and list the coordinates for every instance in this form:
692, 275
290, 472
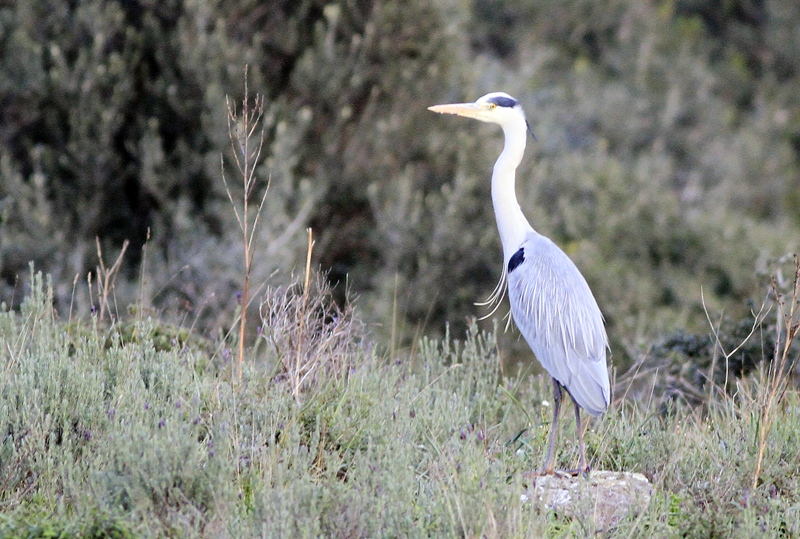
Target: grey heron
551, 303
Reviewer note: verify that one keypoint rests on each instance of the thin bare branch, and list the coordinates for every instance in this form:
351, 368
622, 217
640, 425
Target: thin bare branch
241, 129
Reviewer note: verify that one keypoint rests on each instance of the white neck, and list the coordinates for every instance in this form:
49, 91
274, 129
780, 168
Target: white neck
511, 223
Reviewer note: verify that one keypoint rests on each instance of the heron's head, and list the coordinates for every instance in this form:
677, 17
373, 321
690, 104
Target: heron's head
496, 107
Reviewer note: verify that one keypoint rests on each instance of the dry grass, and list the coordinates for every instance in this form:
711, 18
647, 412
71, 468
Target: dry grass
776, 377
311, 335
106, 277
246, 132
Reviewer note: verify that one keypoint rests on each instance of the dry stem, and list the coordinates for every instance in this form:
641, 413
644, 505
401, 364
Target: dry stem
779, 371
241, 130
107, 276
758, 318
299, 358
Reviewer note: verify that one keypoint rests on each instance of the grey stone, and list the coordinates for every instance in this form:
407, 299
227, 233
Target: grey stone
601, 500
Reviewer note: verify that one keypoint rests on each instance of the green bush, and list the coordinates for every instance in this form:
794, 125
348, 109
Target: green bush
667, 158
105, 435
117, 123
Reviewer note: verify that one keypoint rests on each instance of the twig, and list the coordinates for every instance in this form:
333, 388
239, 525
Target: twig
778, 376
107, 276
759, 317
241, 130
299, 358
72, 302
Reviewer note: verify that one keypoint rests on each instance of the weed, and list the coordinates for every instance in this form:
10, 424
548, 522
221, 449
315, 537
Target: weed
106, 276
246, 132
311, 335
776, 377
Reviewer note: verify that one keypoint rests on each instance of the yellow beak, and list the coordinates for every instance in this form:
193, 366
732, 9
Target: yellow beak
470, 110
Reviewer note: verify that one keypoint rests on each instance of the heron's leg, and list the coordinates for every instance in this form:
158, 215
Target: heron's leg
548, 461
583, 466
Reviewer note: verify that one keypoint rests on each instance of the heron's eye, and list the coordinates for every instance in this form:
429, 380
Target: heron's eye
492, 106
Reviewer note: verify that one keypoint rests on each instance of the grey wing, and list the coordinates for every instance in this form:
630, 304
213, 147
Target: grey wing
557, 314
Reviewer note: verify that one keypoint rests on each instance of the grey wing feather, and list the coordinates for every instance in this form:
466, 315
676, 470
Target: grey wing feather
557, 314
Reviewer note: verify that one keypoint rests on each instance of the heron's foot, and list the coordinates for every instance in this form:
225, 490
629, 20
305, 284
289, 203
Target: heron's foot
541, 472
581, 470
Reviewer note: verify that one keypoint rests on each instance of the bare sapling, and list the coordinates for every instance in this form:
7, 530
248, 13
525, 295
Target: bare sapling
107, 276
246, 132
777, 378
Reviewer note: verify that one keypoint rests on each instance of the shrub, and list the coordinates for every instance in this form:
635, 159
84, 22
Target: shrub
666, 160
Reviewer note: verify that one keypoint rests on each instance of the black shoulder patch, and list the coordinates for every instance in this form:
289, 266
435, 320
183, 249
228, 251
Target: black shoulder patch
516, 259
501, 101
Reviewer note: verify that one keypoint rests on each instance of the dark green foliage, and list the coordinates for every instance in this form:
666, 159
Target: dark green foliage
754, 344
115, 122
666, 161
41, 527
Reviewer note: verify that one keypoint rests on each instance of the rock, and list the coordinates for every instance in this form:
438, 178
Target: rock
604, 498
